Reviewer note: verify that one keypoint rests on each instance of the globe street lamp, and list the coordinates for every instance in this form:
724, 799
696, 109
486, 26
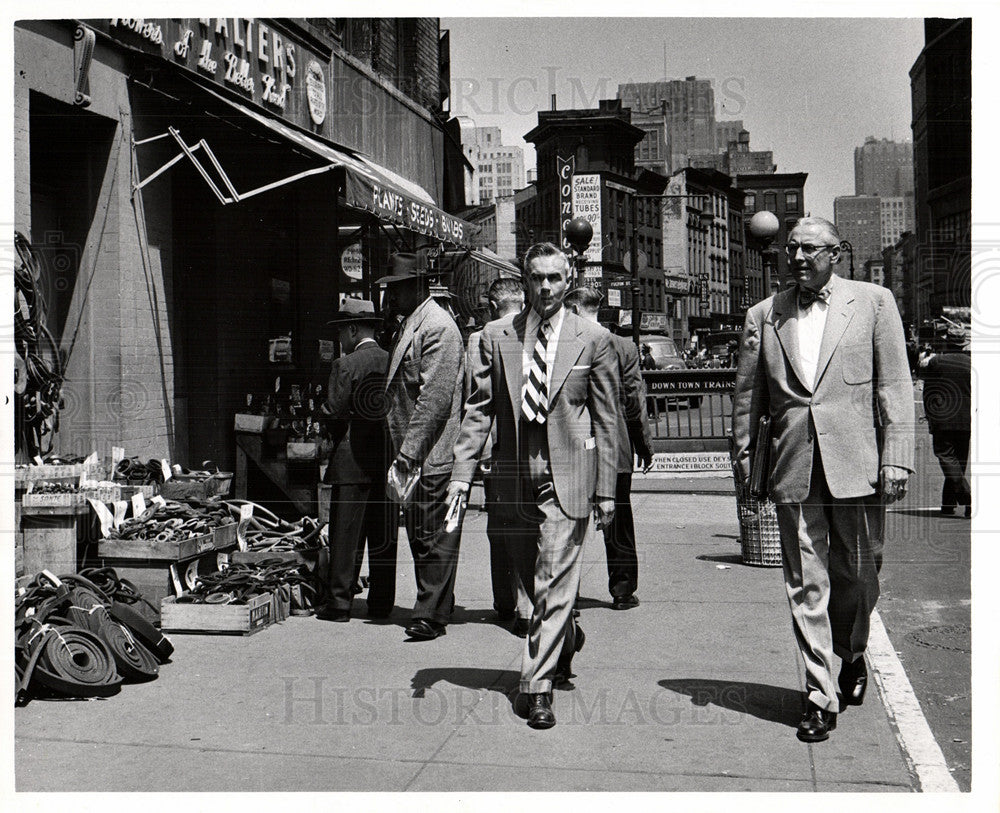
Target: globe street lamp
846, 246
764, 226
578, 234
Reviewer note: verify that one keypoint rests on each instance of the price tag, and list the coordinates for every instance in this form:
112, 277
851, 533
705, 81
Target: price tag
176, 579
191, 574
121, 508
158, 501
117, 456
221, 561
138, 504
38, 461
167, 474
103, 515
246, 512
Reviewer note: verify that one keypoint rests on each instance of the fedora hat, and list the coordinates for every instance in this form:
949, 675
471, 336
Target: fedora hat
404, 267
356, 310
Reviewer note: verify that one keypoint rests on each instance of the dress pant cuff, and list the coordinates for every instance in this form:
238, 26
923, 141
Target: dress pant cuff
817, 698
537, 686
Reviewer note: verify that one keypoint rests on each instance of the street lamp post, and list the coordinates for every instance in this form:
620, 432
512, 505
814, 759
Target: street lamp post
578, 234
846, 246
764, 226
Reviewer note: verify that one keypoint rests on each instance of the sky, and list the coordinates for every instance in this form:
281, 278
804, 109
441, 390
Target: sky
809, 90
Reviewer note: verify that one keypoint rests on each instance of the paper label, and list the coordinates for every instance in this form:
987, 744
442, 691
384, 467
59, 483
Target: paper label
167, 474
246, 512
38, 461
138, 504
191, 574
91, 460
121, 508
117, 456
176, 579
158, 501
103, 516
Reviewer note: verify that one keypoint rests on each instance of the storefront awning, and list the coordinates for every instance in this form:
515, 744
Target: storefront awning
368, 186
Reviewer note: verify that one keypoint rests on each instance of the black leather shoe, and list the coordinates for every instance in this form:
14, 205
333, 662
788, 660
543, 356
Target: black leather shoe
520, 627
947, 510
624, 602
540, 714
816, 725
424, 630
968, 511
332, 614
853, 682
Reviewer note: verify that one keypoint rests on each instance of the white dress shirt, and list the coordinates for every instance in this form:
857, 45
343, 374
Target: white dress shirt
531, 337
811, 322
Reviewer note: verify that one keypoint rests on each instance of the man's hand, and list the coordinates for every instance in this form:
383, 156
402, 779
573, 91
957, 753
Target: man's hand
456, 487
404, 465
604, 512
893, 483
645, 460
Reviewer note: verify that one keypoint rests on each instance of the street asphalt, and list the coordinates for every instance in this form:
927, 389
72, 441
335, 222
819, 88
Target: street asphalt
697, 689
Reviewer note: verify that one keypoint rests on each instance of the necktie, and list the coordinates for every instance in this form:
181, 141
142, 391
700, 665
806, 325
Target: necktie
535, 404
807, 296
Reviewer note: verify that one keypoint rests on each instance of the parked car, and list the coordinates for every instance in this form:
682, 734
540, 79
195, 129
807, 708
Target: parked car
667, 357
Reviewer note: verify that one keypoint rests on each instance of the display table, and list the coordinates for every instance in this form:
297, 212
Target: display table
295, 479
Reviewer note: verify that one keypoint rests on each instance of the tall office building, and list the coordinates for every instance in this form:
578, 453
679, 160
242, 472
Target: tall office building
895, 212
498, 169
859, 221
885, 168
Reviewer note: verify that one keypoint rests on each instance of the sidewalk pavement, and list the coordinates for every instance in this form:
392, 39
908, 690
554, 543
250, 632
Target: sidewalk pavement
697, 689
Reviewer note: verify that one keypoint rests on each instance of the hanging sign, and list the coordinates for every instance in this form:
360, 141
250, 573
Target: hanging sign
586, 203
564, 170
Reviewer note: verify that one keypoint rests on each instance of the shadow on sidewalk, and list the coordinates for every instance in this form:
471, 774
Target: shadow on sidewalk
725, 558
775, 704
502, 681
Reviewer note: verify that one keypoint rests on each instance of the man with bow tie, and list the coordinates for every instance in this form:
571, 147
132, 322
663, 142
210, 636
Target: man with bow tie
826, 360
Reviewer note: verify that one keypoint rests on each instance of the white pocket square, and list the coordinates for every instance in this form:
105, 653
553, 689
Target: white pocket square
580, 367
590, 443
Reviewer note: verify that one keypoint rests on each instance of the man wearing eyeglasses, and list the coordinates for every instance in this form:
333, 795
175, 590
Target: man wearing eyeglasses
826, 360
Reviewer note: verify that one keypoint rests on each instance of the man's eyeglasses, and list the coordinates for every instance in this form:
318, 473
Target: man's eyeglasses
808, 249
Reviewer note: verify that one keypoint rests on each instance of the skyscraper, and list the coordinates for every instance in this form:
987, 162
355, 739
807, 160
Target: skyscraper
885, 168
499, 169
859, 221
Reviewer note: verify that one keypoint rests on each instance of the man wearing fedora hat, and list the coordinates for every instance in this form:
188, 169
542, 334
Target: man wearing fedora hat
359, 511
424, 400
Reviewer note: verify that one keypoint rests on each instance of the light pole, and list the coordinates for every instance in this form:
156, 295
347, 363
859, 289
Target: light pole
578, 234
846, 246
764, 226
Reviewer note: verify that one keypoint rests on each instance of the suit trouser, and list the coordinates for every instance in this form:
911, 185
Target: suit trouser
435, 553
546, 546
509, 597
831, 555
360, 512
952, 451
619, 542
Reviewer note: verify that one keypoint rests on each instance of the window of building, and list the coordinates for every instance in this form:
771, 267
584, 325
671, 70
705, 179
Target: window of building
770, 201
749, 201
791, 201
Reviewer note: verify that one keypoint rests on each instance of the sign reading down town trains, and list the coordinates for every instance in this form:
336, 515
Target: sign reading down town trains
256, 58
689, 382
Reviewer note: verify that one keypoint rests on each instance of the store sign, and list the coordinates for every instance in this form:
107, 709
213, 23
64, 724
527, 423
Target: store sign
351, 262
586, 203
689, 382
244, 54
676, 285
667, 462
704, 293
564, 170
614, 298
653, 321
397, 207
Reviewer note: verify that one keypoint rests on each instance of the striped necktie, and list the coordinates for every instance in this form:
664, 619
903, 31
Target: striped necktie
535, 403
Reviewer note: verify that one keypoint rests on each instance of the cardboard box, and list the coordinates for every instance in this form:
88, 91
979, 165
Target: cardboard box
251, 423
301, 450
232, 619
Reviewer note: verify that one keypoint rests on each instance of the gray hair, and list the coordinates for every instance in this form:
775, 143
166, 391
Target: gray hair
539, 250
822, 222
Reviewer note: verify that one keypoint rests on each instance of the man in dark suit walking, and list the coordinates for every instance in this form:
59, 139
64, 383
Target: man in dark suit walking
947, 401
826, 360
547, 377
355, 416
424, 400
633, 439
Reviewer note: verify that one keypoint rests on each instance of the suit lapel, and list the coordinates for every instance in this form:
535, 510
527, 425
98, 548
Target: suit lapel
837, 319
568, 350
786, 325
404, 342
511, 353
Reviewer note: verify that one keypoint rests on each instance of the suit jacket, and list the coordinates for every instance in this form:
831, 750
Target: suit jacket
356, 403
633, 430
471, 354
424, 387
948, 392
582, 420
862, 388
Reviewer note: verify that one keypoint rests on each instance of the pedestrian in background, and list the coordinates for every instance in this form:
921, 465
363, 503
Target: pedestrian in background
424, 400
510, 599
947, 401
633, 439
826, 360
547, 378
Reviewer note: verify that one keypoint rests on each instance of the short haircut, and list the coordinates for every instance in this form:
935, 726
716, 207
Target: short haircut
539, 250
820, 221
505, 291
586, 299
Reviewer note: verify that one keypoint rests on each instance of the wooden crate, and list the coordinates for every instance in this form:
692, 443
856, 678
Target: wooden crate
172, 549
254, 424
181, 487
232, 619
33, 500
225, 535
252, 557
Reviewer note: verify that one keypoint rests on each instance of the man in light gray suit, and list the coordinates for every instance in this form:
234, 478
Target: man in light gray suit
826, 359
424, 401
548, 379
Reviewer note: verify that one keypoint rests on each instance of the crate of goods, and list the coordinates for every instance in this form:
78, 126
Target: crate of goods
172, 549
234, 619
52, 500
51, 472
252, 423
225, 535
197, 487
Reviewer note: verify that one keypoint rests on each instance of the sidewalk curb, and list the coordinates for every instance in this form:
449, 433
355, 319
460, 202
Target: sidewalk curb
921, 751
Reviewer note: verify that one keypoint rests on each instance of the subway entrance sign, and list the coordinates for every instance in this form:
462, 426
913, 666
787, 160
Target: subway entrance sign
688, 382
